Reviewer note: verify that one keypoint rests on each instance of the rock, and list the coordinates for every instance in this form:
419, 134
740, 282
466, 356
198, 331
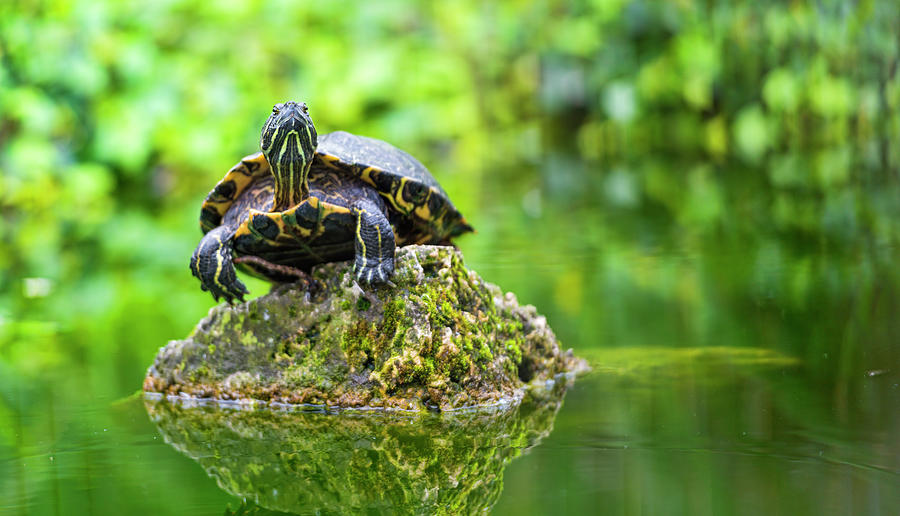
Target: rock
442, 338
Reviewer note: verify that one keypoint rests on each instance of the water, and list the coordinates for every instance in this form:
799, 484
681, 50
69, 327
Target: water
738, 368
687, 431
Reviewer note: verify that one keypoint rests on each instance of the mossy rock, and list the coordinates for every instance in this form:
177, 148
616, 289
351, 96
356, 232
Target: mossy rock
350, 463
442, 338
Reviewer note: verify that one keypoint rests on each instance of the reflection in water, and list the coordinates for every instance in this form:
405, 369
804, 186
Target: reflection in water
660, 365
348, 463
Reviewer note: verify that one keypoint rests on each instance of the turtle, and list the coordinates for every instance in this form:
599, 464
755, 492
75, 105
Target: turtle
307, 199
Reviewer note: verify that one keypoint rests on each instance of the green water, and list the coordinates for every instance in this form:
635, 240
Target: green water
731, 375
703, 198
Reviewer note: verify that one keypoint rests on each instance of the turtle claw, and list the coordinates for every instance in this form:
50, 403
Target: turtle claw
234, 290
212, 264
377, 273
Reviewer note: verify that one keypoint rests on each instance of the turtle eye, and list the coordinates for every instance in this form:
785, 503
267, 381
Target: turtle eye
304, 108
275, 110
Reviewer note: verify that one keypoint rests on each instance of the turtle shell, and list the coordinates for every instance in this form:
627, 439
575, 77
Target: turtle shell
408, 187
420, 209
219, 200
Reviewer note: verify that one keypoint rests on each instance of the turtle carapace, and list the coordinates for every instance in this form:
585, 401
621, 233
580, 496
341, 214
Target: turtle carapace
306, 200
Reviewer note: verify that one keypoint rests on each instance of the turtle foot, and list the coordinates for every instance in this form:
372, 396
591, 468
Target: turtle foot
211, 263
370, 272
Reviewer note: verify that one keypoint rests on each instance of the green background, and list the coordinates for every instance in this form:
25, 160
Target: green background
648, 174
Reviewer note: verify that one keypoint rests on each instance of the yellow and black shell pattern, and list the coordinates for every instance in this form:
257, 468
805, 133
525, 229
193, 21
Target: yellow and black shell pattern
249, 170
408, 188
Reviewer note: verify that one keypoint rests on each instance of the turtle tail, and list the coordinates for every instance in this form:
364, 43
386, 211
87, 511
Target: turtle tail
212, 264
459, 228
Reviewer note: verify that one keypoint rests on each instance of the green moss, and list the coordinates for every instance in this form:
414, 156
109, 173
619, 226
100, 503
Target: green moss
318, 370
393, 314
459, 367
484, 353
422, 371
511, 368
201, 373
447, 310
357, 343
514, 350
248, 340
283, 358
438, 304
436, 340
399, 339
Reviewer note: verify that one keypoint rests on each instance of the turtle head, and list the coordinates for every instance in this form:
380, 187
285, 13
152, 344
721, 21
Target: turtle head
289, 143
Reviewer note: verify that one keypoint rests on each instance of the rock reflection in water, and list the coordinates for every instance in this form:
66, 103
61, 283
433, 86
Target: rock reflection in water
359, 462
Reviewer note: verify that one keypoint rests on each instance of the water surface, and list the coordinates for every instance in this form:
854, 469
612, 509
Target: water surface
730, 376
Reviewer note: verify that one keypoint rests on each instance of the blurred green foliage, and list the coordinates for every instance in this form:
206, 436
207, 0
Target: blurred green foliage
634, 124
685, 173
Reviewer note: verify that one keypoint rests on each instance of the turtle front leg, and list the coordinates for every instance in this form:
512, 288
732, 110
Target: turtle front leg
374, 243
212, 264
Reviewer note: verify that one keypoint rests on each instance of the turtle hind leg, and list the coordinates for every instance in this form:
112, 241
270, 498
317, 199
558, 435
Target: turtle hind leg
374, 243
212, 264
302, 277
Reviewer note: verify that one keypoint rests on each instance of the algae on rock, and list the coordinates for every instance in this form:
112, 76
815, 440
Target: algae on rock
441, 338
